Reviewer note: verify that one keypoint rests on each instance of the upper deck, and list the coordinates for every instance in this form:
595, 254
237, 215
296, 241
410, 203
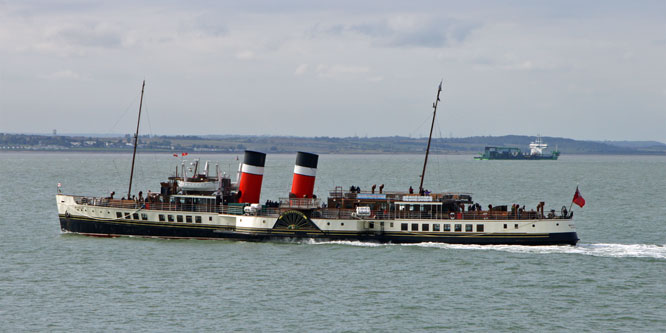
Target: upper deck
342, 205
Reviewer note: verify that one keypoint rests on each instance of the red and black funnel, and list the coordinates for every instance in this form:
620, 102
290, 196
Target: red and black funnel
305, 171
252, 173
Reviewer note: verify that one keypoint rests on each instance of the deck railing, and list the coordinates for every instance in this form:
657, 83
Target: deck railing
329, 213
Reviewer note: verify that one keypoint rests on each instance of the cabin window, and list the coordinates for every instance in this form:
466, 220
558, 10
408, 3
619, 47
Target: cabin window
425, 227
391, 224
144, 216
135, 216
469, 227
504, 225
435, 227
210, 218
119, 214
479, 228
458, 227
188, 218
161, 218
127, 215
403, 226
515, 226
447, 227
179, 218
371, 225
415, 227
170, 217
197, 219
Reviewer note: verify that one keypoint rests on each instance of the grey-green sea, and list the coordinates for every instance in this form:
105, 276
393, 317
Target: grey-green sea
613, 280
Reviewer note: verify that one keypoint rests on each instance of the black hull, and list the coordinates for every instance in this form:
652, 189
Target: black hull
106, 228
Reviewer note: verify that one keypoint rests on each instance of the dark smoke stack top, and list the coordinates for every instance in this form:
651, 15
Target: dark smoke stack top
252, 174
305, 171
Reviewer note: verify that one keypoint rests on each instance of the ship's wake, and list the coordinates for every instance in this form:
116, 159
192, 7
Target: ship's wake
597, 250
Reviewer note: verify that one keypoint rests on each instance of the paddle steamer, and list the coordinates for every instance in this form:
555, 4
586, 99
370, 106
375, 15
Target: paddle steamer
202, 204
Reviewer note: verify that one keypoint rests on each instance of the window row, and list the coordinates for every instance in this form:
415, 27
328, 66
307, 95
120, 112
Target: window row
179, 218
162, 217
135, 216
436, 227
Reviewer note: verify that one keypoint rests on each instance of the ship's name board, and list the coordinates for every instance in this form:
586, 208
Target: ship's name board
416, 198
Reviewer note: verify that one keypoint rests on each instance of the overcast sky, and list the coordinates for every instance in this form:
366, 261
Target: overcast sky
578, 69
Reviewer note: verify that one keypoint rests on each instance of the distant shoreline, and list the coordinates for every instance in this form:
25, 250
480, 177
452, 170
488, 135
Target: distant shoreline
320, 145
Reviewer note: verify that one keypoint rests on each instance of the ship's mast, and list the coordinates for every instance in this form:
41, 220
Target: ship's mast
434, 113
136, 140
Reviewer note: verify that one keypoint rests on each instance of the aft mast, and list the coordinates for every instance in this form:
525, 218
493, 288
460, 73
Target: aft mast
136, 140
434, 113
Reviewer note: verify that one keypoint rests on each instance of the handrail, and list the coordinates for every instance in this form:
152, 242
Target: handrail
317, 212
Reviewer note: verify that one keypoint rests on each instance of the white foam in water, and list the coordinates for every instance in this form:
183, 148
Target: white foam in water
350, 243
598, 250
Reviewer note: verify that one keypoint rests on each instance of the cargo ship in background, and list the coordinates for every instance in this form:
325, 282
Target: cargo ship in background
200, 204
511, 153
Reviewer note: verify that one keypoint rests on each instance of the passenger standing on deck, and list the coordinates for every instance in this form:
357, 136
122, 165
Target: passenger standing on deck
381, 188
411, 190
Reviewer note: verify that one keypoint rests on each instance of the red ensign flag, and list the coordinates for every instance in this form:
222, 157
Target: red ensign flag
578, 199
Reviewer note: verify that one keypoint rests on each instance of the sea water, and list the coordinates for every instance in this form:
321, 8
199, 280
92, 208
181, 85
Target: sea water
613, 280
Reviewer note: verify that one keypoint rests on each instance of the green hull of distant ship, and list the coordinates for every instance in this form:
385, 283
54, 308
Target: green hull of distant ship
508, 153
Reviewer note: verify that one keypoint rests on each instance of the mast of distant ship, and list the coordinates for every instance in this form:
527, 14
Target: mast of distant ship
434, 113
136, 140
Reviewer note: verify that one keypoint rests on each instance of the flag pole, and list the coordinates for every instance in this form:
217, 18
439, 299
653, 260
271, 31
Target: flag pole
572, 200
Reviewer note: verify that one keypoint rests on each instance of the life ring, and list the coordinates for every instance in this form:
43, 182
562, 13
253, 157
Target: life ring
452, 215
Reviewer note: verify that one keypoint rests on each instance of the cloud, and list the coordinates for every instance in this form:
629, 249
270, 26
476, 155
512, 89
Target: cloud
63, 75
301, 69
407, 31
245, 55
89, 35
209, 24
339, 71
